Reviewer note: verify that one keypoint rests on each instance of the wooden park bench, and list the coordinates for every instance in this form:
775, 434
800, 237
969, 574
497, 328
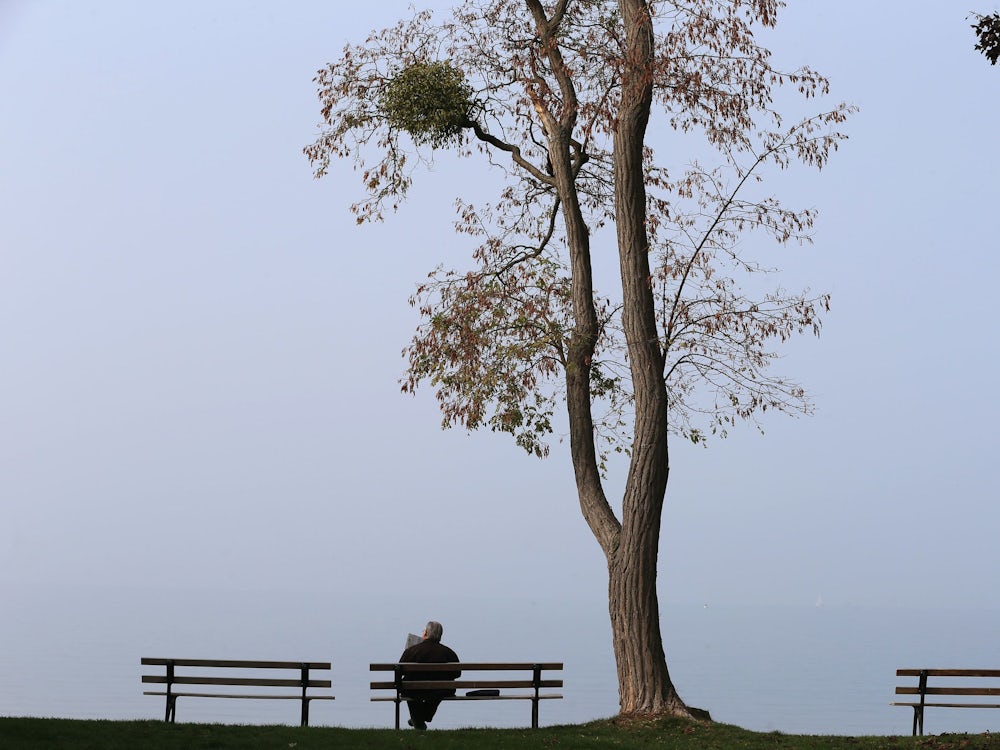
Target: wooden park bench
974, 685
294, 676
528, 687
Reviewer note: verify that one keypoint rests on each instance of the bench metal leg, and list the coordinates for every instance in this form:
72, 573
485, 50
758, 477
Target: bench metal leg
537, 679
918, 711
171, 699
304, 722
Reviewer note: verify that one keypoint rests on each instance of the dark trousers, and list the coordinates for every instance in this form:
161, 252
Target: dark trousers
422, 709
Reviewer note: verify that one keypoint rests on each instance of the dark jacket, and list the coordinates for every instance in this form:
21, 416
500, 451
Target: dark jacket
431, 652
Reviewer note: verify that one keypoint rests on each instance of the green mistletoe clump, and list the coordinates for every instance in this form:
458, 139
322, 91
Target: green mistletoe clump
429, 100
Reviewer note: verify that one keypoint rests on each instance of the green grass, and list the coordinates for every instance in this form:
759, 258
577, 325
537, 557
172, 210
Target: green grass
667, 734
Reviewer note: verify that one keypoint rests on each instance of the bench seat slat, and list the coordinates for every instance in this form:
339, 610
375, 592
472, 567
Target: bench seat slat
390, 699
262, 696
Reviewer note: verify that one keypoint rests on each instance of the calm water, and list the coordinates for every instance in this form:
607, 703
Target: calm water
816, 670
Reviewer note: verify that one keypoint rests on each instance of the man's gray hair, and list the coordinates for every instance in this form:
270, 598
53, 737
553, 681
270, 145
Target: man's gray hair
434, 631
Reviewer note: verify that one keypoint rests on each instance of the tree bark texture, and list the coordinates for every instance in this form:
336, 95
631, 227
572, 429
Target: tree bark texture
631, 545
644, 680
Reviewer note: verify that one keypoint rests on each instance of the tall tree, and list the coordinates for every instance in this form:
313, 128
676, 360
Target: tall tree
558, 96
987, 30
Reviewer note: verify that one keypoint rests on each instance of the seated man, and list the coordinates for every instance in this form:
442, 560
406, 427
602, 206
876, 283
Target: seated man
423, 704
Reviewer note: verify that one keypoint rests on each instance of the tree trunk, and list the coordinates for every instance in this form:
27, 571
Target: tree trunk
643, 679
632, 544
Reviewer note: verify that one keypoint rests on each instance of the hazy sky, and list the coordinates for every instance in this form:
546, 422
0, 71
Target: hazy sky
200, 351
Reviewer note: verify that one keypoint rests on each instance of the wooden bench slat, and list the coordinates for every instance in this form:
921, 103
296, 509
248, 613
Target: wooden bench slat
231, 664
390, 699
948, 691
246, 681
465, 684
949, 672
261, 696
466, 666
949, 705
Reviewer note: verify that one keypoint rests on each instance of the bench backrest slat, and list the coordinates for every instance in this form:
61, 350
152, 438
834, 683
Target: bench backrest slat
231, 664
463, 684
948, 691
948, 672
466, 666
244, 681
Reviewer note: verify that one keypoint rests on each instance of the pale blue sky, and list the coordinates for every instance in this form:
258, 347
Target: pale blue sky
199, 350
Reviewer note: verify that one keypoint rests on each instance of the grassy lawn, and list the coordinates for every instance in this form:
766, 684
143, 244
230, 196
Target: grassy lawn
52, 734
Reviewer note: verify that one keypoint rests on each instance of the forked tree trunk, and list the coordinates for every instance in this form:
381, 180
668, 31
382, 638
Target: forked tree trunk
632, 544
643, 678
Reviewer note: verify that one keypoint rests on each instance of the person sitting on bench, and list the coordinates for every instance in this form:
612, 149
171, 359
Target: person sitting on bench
423, 704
